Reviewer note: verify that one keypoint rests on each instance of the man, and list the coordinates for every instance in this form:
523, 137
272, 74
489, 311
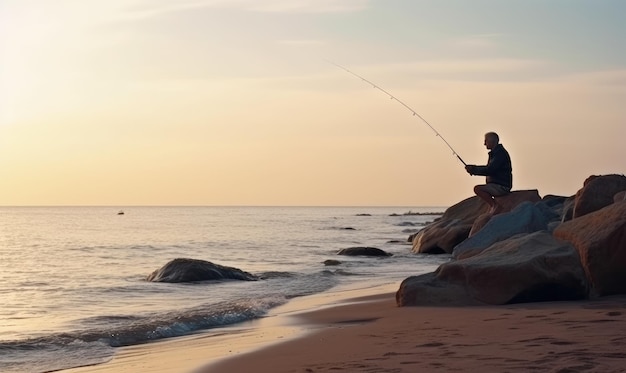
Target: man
497, 170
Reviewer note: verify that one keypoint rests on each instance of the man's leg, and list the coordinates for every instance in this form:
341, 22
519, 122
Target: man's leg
482, 191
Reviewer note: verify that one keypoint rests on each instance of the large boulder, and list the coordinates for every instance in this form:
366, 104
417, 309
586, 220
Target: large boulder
363, 251
621, 196
600, 238
598, 192
525, 218
524, 268
429, 290
453, 227
192, 270
506, 204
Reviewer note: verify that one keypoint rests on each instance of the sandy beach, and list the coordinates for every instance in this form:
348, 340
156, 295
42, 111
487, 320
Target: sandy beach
368, 333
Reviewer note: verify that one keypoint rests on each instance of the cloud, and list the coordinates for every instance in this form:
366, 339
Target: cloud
147, 9
605, 78
309, 6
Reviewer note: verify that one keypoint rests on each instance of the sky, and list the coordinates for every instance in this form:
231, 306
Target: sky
237, 102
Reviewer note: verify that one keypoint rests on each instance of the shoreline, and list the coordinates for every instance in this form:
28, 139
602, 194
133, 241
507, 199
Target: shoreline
380, 337
362, 330
193, 353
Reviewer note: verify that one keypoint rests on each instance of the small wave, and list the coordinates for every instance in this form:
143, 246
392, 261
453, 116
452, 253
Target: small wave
51, 354
409, 224
173, 324
340, 272
96, 344
338, 228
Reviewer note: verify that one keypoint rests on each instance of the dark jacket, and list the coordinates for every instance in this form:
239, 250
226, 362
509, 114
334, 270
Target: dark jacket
498, 169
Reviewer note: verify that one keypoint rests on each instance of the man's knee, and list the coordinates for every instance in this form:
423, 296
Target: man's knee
479, 189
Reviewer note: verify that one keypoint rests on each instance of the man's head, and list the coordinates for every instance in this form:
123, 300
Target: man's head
491, 140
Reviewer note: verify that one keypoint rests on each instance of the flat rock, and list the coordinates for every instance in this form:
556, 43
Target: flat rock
507, 203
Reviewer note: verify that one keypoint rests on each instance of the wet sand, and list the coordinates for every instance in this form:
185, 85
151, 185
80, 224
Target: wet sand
369, 333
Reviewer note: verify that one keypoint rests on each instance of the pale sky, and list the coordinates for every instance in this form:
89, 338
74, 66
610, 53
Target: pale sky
233, 102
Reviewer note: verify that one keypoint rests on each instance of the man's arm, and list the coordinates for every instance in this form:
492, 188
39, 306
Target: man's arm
497, 162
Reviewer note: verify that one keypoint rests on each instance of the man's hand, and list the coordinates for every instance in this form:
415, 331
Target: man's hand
470, 169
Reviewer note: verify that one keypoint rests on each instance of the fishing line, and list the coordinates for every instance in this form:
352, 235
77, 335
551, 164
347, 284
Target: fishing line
403, 104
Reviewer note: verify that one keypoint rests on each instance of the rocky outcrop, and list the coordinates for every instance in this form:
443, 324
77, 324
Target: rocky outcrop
363, 251
526, 268
600, 238
526, 218
555, 249
192, 270
597, 192
506, 204
452, 228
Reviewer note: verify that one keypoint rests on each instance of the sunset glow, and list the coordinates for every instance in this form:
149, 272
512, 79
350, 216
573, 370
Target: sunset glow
209, 102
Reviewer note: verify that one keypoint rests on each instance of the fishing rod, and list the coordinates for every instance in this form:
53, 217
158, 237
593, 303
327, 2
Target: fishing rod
405, 105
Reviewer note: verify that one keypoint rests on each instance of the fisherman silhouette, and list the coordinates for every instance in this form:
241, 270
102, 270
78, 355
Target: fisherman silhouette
498, 172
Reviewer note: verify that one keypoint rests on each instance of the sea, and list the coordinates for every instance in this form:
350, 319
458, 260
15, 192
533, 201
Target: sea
73, 285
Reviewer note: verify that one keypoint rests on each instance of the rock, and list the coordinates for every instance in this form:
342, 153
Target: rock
191, 270
600, 238
525, 218
556, 204
453, 227
507, 203
512, 200
331, 262
621, 196
365, 251
598, 192
428, 290
524, 268
568, 209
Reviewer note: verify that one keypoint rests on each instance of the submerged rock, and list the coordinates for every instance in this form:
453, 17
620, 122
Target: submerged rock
365, 251
191, 270
331, 262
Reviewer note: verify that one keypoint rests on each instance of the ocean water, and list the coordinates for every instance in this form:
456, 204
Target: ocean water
73, 279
